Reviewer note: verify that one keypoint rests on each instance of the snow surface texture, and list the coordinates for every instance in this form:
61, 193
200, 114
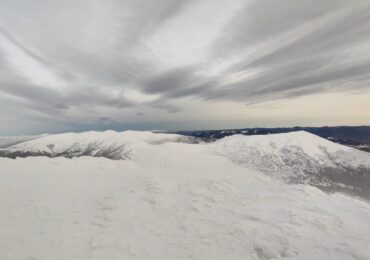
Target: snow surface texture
171, 199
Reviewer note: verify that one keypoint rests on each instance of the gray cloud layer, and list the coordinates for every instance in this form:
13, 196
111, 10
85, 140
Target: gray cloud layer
67, 61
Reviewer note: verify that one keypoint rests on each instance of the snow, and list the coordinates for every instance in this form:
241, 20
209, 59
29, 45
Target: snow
6, 141
289, 151
111, 144
268, 143
173, 200
265, 152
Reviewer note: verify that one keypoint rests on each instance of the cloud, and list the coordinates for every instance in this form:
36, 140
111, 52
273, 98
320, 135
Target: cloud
81, 61
174, 82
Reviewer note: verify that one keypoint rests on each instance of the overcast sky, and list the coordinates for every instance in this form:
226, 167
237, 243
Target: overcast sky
74, 65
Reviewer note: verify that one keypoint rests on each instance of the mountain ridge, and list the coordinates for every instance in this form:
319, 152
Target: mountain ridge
353, 136
295, 157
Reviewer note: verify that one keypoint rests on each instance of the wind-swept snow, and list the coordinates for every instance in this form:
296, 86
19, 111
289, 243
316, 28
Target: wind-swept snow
171, 199
95, 208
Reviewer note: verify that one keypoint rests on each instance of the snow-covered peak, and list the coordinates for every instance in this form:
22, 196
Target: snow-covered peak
110, 144
311, 144
296, 151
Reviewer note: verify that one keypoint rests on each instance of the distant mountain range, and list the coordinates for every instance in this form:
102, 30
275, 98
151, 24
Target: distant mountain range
353, 136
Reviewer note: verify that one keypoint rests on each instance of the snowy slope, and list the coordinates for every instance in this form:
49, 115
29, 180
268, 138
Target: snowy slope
173, 199
301, 157
95, 208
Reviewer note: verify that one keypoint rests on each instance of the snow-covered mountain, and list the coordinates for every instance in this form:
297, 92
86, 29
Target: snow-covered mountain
289, 151
109, 144
353, 136
166, 196
6, 141
301, 157
297, 150
296, 157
